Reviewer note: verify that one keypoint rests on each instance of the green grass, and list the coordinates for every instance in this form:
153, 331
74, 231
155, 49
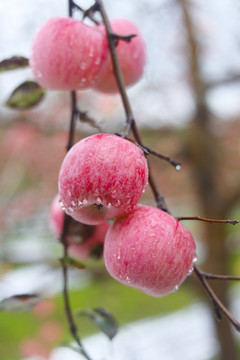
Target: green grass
125, 303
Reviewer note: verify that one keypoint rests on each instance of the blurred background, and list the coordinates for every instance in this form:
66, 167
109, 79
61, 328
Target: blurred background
187, 106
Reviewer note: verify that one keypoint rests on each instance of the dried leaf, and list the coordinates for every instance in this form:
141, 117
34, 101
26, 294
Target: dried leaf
20, 303
13, 63
103, 319
26, 95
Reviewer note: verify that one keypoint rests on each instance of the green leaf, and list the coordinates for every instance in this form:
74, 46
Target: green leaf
13, 63
26, 96
73, 262
19, 303
103, 319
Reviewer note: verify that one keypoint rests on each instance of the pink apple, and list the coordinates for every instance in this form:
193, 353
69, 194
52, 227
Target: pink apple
84, 240
149, 250
131, 56
66, 54
102, 177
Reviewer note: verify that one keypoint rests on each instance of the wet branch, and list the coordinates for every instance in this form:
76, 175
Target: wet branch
211, 221
63, 239
218, 305
130, 120
68, 310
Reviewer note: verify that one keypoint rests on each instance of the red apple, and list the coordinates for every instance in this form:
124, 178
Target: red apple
67, 54
102, 177
131, 56
149, 250
84, 240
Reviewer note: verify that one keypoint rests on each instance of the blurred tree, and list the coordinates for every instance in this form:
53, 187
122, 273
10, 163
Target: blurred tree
205, 151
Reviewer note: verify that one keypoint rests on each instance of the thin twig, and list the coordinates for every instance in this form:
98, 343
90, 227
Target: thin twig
84, 117
85, 13
126, 38
218, 305
212, 221
210, 276
173, 162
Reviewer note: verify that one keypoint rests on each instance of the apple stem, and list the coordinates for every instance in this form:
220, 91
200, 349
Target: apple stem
98, 206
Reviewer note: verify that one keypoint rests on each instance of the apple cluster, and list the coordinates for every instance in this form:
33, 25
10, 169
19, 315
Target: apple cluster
101, 181
103, 176
67, 54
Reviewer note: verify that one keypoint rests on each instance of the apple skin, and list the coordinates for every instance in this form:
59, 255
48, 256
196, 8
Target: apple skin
149, 250
131, 56
101, 178
67, 54
84, 240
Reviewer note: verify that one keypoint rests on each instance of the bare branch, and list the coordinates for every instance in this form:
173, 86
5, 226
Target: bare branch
130, 120
218, 305
199, 218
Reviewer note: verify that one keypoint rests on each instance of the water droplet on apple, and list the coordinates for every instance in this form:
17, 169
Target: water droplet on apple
91, 52
98, 201
97, 61
119, 257
62, 206
175, 288
190, 270
80, 203
85, 202
135, 55
194, 259
73, 203
70, 209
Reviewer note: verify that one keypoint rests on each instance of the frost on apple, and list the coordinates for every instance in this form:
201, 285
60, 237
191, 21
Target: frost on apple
101, 178
149, 250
